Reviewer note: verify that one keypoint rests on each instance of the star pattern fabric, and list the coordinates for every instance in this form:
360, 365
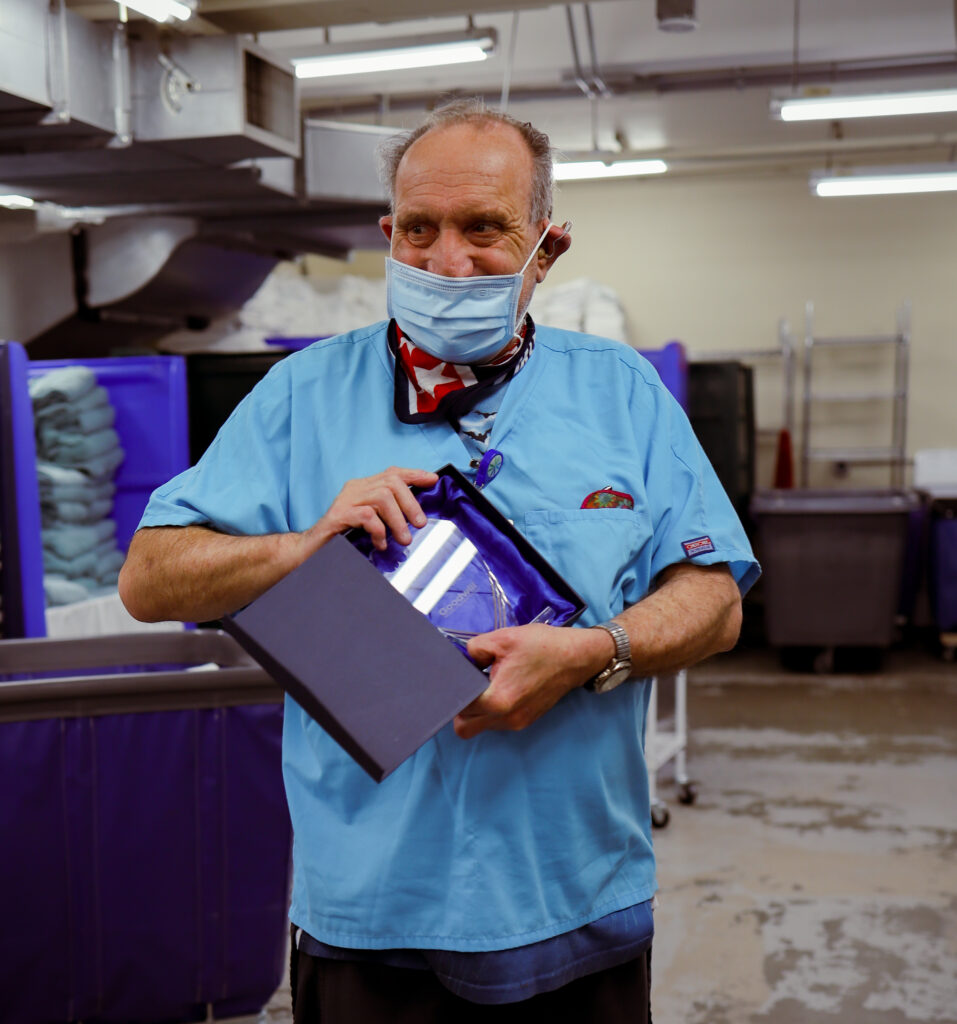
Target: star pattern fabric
428, 388
429, 378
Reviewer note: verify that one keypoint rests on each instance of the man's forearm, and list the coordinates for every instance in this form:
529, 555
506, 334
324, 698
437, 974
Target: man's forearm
694, 613
194, 574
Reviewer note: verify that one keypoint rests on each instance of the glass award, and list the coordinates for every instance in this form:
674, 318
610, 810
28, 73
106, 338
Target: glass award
468, 570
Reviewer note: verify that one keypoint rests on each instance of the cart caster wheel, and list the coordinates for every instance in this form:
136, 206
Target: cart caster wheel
660, 815
824, 661
687, 793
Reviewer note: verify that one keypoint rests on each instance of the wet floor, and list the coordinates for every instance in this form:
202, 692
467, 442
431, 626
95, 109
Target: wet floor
814, 880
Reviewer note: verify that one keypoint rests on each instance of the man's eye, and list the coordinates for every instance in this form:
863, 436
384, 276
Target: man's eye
484, 230
418, 233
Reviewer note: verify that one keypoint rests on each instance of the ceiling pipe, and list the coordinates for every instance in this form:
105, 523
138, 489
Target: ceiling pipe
596, 77
634, 80
779, 150
579, 76
509, 63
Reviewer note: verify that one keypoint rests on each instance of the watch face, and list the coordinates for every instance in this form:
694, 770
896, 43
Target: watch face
618, 676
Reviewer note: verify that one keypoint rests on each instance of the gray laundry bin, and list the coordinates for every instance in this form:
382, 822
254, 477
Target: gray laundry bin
833, 565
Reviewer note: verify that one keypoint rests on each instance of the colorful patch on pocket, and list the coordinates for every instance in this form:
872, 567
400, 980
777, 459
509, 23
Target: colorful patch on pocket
607, 498
697, 546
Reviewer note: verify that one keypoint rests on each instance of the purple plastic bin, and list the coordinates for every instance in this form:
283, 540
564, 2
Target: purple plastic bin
672, 366
149, 393
943, 559
21, 583
295, 344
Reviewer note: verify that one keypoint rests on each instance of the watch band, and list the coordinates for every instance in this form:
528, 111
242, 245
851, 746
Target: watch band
619, 668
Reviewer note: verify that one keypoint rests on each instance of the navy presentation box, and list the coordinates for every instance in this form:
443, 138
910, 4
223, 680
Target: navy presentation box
351, 650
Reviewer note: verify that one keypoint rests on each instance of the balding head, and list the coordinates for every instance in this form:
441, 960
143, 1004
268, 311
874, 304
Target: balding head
474, 112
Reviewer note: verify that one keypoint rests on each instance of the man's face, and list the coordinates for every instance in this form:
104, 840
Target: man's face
462, 201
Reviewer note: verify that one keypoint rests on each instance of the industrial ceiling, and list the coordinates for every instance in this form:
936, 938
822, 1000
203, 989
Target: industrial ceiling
602, 75
206, 122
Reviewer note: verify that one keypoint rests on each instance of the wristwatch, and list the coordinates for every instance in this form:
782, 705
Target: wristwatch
619, 668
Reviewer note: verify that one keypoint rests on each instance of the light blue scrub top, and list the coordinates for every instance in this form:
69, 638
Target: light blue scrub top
510, 837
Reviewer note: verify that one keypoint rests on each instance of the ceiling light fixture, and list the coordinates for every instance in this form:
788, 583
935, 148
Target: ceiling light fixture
884, 181
578, 170
396, 55
13, 202
161, 10
889, 104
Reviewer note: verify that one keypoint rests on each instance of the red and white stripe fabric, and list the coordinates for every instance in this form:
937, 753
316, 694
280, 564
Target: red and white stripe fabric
430, 379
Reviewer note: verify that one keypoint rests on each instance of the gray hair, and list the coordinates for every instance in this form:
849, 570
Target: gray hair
473, 111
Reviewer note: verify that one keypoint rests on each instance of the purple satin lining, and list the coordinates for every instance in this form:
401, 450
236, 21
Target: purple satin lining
527, 592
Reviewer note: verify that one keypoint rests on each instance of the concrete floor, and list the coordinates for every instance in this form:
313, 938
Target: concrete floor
814, 880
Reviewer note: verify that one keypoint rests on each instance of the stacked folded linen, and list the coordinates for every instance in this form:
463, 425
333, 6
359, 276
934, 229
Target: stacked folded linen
78, 452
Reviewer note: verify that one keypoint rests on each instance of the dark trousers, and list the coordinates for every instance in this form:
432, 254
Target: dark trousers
350, 992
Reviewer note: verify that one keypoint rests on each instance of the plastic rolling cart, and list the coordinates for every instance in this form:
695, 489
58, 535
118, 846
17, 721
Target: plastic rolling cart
149, 395
943, 566
146, 841
833, 566
662, 746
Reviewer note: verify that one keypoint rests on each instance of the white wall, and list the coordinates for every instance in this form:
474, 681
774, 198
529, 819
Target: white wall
716, 263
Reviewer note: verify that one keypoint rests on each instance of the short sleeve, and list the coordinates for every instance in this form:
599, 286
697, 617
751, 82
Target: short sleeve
241, 483
693, 518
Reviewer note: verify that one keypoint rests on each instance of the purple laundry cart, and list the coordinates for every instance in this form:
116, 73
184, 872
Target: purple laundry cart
146, 841
144, 837
942, 565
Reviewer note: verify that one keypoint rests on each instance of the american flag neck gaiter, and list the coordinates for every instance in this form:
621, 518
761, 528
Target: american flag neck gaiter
428, 388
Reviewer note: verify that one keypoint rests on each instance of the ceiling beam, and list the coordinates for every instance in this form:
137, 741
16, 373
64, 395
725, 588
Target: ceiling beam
279, 15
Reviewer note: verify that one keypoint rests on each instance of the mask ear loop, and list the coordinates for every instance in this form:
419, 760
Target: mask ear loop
531, 256
566, 227
535, 249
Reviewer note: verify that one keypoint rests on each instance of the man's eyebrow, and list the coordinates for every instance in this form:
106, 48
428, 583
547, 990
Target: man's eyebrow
473, 215
408, 216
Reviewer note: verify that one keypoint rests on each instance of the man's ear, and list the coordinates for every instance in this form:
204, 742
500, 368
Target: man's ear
386, 224
557, 241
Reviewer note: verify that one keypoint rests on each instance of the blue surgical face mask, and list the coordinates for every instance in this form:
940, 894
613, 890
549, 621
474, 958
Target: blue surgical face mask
458, 319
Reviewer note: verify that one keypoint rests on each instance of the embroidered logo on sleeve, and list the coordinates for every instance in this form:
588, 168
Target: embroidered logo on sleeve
698, 546
607, 498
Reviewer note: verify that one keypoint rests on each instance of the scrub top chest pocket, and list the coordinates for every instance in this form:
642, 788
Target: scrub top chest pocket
597, 550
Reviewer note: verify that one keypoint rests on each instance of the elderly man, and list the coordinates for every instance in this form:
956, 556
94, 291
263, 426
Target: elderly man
506, 868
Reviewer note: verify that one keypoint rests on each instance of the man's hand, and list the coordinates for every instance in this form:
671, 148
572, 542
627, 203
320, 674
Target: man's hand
195, 573
533, 667
378, 504
694, 613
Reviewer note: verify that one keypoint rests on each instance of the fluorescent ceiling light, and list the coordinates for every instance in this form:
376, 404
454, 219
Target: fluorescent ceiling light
579, 169
836, 108
17, 202
395, 55
886, 182
159, 10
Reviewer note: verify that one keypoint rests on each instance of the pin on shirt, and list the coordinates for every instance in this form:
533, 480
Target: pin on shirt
489, 468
